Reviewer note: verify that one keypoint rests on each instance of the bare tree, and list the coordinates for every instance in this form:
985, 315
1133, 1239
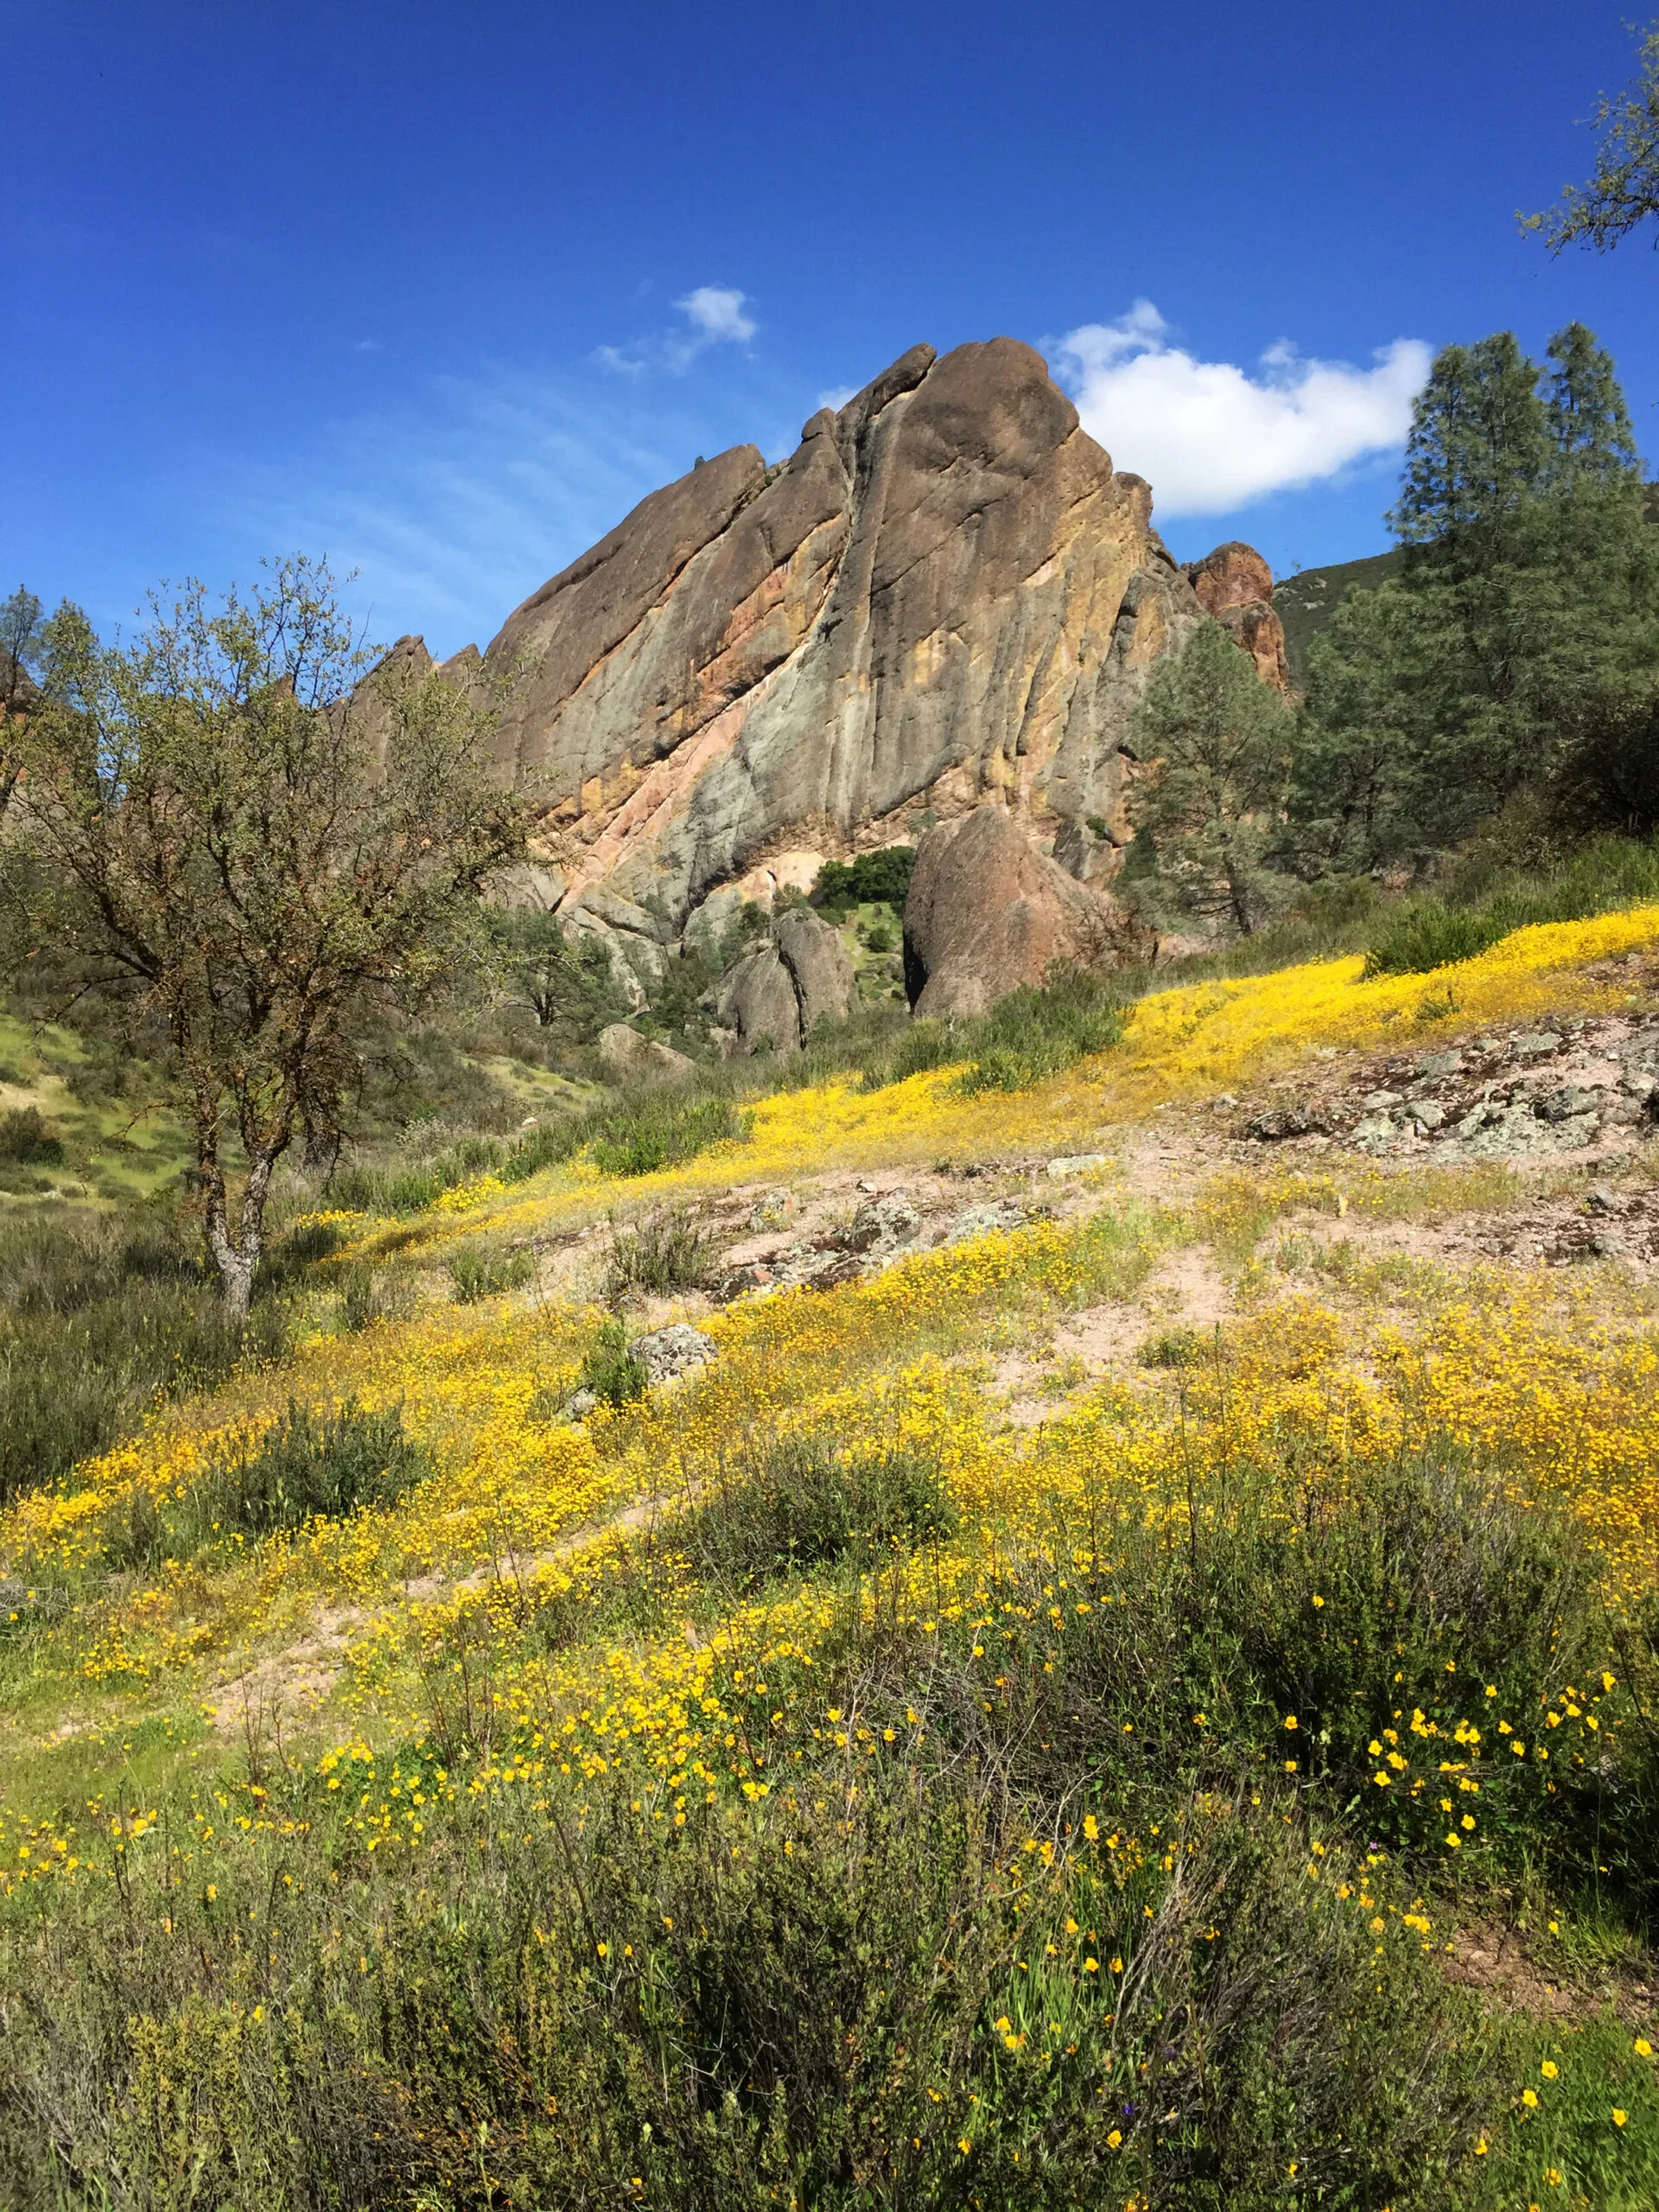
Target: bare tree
253, 846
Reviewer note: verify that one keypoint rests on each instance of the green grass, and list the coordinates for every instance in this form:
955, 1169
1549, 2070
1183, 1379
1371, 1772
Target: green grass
1424, 934
1060, 1922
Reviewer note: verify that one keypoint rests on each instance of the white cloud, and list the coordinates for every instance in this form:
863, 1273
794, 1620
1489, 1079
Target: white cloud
718, 316
716, 312
1208, 438
837, 396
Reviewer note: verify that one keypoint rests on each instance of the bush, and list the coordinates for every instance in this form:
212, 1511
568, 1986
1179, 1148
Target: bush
475, 1275
610, 1371
665, 1253
880, 879
805, 1505
1034, 1033
307, 1466
98, 1318
1423, 934
26, 1138
665, 1128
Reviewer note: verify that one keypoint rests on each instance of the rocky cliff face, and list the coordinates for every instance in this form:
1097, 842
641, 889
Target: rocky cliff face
945, 596
1235, 585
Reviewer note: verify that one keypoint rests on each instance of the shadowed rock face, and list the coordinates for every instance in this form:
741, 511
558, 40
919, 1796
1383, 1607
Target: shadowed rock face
946, 594
988, 912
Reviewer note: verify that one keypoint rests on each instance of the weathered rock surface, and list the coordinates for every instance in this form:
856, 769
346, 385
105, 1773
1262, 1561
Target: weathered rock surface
1235, 585
626, 1053
945, 593
988, 911
777, 993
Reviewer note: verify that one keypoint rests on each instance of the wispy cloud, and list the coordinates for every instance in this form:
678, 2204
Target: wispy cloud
716, 315
454, 502
1209, 436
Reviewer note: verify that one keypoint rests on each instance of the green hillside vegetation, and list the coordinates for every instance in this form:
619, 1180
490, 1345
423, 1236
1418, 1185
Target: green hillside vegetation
1094, 1679
1306, 600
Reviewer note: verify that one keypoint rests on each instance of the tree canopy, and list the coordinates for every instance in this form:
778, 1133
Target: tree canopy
1624, 190
251, 841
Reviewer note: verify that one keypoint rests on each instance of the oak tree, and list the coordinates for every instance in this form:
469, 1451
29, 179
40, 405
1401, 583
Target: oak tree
255, 843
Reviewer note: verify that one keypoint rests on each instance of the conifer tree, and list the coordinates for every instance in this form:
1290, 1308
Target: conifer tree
1216, 742
1587, 421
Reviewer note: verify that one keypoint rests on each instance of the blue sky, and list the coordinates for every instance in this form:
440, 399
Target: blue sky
440, 290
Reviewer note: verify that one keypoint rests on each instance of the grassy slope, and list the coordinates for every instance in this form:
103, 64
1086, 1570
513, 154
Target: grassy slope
466, 1714
1306, 600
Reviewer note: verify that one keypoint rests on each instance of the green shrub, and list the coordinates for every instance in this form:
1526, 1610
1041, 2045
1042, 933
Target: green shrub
610, 1371
1034, 1033
805, 1505
369, 1294
880, 879
26, 1138
1423, 934
663, 1129
665, 1253
485, 1275
99, 1317
307, 1466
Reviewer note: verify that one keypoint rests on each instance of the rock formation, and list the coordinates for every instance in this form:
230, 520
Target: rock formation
1234, 584
775, 994
945, 595
988, 912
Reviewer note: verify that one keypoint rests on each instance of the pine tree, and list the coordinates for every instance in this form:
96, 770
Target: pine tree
1216, 740
1587, 421
1477, 451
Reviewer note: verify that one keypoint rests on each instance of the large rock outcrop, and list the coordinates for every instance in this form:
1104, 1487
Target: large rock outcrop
1235, 585
945, 594
987, 910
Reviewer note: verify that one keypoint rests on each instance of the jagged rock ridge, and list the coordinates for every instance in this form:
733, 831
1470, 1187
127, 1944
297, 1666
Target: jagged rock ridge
946, 594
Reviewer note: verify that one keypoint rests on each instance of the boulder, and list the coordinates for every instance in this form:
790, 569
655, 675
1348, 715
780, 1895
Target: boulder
1235, 585
988, 912
819, 965
778, 990
666, 1354
628, 1055
757, 1000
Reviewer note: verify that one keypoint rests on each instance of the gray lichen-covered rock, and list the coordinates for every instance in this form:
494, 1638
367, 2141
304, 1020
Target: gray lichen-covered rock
819, 964
987, 910
667, 1353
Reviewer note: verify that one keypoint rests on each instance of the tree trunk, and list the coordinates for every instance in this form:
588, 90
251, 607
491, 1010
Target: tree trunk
237, 1259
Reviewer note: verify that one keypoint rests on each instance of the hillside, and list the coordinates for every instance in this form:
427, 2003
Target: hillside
946, 1647
1304, 602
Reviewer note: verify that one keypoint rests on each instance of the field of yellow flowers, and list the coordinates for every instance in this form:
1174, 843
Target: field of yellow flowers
911, 1760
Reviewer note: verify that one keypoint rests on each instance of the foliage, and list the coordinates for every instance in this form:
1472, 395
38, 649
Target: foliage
567, 982
661, 1129
1030, 1033
1216, 740
869, 879
610, 1370
303, 1466
1515, 651
666, 1252
485, 1274
1427, 933
236, 844
99, 1318
25, 1137
799, 1503
1624, 190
